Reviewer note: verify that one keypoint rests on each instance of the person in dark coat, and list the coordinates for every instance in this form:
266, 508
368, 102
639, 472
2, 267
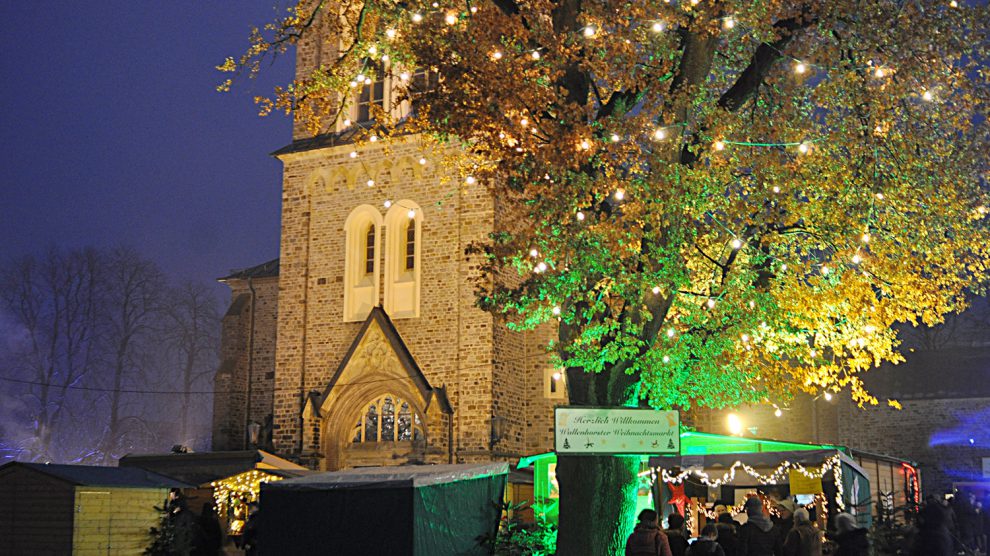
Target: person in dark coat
675, 534
933, 538
757, 537
647, 539
209, 534
727, 533
851, 539
803, 539
706, 544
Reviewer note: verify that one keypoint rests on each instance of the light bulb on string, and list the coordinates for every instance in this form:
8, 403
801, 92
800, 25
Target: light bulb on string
353, 154
620, 194
804, 147
657, 27
542, 266
422, 161
585, 145
828, 396
347, 122
729, 23
879, 73
776, 189
404, 76
417, 17
470, 180
655, 290
856, 259
390, 33
387, 203
737, 243
800, 68
927, 95
865, 238
535, 54
411, 214
671, 332
589, 31
497, 55
555, 310
451, 18
660, 134
710, 303
579, 216
777, 412
371, 183
719, 145
825, 270
666, 359
615, 138
373, 138
372, 50
534, 253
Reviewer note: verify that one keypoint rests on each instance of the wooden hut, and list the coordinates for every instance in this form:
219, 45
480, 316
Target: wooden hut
78, 509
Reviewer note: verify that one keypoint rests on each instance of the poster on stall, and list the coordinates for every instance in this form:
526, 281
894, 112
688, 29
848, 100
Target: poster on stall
606, 430
803, 484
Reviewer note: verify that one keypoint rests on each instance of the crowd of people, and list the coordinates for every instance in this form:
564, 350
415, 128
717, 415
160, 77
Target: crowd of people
947, 527
943, 527
789, 531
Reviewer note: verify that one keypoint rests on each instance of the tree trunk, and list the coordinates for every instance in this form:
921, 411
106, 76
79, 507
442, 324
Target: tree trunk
597, 502
597, 493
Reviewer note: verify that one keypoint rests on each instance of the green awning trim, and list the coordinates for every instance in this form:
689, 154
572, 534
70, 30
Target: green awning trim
703, 443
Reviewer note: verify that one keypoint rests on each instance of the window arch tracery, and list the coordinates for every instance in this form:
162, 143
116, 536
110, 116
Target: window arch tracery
388, 418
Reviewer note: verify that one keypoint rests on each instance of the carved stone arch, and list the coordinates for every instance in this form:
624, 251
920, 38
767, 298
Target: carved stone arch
378, 363
316, 180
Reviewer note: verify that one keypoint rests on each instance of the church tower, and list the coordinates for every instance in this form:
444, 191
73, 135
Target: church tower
381, 355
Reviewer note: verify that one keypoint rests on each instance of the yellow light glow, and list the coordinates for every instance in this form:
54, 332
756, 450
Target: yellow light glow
735, 424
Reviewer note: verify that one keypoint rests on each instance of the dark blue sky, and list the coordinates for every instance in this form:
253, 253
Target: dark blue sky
111, 132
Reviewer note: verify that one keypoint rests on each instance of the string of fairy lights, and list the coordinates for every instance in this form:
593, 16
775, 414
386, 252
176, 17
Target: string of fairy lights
523, 123
830, 466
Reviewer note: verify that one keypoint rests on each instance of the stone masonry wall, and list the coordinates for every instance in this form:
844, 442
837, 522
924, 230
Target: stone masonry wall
234, 386
934, 433
804, 419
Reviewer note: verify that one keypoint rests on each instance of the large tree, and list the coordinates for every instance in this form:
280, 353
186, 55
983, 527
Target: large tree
720, 201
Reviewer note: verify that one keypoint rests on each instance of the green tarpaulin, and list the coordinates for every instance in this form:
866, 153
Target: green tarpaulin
422, 510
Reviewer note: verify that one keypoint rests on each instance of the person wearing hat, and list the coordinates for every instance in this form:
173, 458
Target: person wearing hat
803, 539
757, 537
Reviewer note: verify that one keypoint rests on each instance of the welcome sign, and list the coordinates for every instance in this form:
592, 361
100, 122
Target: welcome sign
604, 431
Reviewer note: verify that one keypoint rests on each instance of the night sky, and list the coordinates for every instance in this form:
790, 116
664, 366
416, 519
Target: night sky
112, 133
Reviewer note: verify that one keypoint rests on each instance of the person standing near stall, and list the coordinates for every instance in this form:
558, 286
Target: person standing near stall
803, 539
757, 537
647, 539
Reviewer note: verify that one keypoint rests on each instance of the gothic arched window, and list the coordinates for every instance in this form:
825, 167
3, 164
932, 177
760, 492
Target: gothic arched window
369, 250
361, 270
411, 245
388, 419
403, 259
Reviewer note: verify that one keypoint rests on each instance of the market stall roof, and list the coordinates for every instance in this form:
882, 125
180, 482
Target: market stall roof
203, 467
94, 475
373, 477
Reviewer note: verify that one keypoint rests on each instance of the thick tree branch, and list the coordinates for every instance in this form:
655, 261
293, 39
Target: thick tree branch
763, 59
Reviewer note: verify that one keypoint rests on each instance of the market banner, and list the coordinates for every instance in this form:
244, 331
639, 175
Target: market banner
602, 430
